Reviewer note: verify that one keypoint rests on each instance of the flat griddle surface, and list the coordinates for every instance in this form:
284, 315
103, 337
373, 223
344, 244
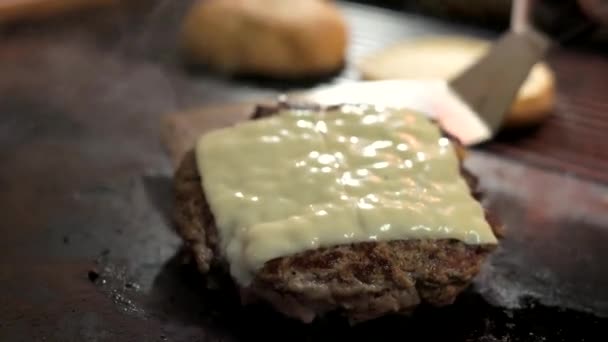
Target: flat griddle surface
87, 249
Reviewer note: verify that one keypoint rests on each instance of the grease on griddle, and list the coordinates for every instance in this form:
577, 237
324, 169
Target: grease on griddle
113, 280
93, 276
132, 286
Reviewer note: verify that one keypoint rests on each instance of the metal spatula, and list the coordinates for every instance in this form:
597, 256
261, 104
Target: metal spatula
490, 85
471, 106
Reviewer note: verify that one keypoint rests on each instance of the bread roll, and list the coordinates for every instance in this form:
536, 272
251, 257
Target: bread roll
446, 57
24, 10
275, 38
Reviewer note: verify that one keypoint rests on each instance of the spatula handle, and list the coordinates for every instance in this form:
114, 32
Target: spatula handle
520, 14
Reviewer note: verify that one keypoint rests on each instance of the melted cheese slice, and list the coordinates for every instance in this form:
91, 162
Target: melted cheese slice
307, 179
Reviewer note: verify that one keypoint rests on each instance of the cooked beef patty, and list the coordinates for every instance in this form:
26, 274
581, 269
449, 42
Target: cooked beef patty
362, 281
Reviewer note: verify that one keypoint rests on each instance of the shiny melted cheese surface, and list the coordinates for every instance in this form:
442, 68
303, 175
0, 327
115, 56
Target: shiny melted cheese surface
307, 179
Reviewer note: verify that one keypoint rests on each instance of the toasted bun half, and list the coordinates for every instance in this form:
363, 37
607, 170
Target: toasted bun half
445, 57
274, 38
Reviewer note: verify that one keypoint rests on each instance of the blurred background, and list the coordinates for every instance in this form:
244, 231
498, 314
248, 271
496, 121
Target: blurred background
87, 252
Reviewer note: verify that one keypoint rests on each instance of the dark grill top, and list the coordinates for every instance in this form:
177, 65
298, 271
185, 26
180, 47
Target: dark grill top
87, 253
574, 140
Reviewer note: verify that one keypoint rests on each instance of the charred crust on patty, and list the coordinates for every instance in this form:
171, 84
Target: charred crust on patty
361, 281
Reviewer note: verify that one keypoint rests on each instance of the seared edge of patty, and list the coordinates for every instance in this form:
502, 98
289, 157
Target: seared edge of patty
362, 281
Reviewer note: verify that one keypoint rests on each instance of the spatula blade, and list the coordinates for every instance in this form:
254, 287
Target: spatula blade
490, 85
